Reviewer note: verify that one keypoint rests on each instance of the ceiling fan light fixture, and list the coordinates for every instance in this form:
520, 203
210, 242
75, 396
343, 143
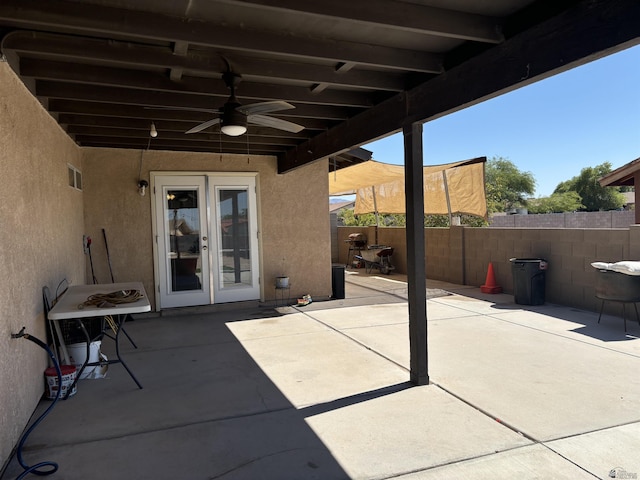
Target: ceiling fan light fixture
233, 122
234, 130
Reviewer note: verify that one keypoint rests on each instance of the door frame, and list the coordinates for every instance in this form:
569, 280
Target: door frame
246, 183
153, 177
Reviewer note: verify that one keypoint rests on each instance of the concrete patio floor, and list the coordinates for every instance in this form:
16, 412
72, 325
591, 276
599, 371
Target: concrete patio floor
322, 392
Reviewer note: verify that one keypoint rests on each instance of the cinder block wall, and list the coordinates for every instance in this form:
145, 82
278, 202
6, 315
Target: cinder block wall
570, 278
611, 219
462, 254
395, 237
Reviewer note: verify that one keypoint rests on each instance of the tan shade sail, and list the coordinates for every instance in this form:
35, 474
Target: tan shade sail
454, 188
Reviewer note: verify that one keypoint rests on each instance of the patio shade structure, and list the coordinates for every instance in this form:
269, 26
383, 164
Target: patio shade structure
627, 175
355, 72
450, 188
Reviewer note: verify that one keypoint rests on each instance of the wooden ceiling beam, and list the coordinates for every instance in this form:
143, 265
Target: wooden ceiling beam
96, 20
163, 134
206, 63
166, 100
403, 16
75, 120
180, 49
235, 150
203, 87
98, 109
159, 143
585, 32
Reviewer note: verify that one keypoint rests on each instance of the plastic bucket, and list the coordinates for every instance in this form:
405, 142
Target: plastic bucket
51, 381
78, 354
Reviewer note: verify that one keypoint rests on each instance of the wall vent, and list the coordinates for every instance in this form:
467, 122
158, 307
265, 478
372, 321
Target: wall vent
75, 177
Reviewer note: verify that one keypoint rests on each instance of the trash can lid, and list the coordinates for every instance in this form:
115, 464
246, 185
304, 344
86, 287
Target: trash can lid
542, 264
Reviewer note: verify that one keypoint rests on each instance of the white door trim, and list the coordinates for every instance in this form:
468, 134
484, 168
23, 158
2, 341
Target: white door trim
155, 179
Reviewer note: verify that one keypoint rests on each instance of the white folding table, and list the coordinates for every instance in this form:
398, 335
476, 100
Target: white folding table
71, 305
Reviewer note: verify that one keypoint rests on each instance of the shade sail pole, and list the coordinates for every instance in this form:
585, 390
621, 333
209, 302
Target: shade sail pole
375, 210
446, 192
416, 271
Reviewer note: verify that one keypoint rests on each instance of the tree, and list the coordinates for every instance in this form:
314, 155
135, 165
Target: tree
556, 203
351, 220
436, 220
443, 221
400, 220
594, 196
506, 185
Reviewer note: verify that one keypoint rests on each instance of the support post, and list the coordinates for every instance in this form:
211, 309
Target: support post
416, 271
636, 184
375, 209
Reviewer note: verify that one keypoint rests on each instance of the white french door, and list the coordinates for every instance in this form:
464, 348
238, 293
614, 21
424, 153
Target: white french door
182, 235
234, 236
206, 247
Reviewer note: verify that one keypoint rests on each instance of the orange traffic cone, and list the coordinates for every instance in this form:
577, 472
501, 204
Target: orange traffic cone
490, 285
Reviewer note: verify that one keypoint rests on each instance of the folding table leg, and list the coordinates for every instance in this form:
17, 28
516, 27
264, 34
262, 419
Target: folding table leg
127, 335
120, 360
63, 347
601, 308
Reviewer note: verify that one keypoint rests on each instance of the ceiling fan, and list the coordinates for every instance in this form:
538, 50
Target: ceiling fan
233, 116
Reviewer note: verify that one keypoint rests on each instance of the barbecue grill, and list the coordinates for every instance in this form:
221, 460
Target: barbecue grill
356, 241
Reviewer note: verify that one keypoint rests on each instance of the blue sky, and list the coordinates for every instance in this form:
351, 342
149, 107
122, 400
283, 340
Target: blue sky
552, 128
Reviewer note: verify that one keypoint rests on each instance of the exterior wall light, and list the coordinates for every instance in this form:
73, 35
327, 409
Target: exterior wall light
142, 187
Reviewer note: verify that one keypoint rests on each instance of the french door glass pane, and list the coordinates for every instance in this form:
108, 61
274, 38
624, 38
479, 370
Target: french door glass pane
235, 251
183, 226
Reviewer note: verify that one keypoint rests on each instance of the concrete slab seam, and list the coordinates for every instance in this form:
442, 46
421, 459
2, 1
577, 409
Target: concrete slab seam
357, 342
36, 448
453, 462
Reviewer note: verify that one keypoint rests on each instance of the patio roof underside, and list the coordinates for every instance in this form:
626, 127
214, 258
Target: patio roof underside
354, 71
622, 177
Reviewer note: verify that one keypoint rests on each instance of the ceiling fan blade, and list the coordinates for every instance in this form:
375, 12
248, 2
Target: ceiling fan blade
273, 122
264, 107
202, 126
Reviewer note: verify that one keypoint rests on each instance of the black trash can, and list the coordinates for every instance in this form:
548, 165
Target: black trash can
337, 281
528, 280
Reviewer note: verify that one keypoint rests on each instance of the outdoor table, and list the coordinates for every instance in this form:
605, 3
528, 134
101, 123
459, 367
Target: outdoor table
71, 305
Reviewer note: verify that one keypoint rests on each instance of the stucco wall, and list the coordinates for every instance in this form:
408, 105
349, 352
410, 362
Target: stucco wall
40, 243
294, 226
43, 220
